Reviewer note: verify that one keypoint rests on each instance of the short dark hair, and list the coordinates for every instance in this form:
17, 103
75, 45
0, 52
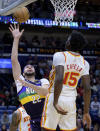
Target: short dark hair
77, 41
27, 65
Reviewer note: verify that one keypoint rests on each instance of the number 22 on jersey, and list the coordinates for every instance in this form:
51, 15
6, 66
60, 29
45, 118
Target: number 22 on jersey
71, 79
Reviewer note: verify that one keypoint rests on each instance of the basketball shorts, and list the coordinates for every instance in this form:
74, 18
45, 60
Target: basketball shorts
35, 125
51, 118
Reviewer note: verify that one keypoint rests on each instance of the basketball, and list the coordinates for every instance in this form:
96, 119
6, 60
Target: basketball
21, 15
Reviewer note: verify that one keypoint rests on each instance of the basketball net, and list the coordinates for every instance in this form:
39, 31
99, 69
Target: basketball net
64, 10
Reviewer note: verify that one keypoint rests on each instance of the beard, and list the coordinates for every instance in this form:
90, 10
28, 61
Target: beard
30, 74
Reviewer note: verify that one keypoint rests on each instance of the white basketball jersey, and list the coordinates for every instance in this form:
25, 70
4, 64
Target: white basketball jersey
24, 124
74, 67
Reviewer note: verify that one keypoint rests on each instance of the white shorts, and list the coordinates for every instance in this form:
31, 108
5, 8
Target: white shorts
50, 117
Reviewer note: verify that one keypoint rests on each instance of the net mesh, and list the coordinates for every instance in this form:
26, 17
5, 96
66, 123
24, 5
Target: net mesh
64, 10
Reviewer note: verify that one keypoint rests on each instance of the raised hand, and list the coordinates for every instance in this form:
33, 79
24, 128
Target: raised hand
15, 31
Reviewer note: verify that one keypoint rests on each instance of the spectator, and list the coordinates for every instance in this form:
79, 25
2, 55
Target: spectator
93, 88
3, 128
32, 60
3, 103
43, 43
35, 41
7, 98
97, 72
38, 74
96, 127
47, 71
2, 98
79, 101
53, 44
98, 86
23, 42
95, 104
4, 89
97, 78
13, 89
79, 114
80, 90
49, 61
92, 78
79, 125
5, 118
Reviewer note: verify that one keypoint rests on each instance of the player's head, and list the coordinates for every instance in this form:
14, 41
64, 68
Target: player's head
76, 41
29, 71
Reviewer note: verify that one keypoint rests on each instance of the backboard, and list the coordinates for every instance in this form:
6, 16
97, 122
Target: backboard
8, 7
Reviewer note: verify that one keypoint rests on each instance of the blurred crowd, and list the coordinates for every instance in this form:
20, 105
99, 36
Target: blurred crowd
45, 41
95, 98
8, 96
48, 41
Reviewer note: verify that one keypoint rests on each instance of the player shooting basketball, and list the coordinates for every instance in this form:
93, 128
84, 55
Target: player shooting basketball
31, 98
68, 68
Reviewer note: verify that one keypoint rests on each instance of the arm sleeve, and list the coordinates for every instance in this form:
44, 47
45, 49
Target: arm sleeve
86, 69
19, 84
58, 59
44, 82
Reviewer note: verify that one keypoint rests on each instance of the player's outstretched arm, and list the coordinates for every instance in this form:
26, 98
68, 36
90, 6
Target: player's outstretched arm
14, 55
87, 97
15, 121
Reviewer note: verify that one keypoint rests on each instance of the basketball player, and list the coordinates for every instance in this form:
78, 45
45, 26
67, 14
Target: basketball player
20, 120
68, 68
31, 98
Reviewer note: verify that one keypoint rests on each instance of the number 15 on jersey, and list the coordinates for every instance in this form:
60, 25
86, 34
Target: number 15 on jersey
71, 79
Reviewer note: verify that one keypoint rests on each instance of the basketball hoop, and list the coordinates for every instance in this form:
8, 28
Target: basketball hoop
64, 10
